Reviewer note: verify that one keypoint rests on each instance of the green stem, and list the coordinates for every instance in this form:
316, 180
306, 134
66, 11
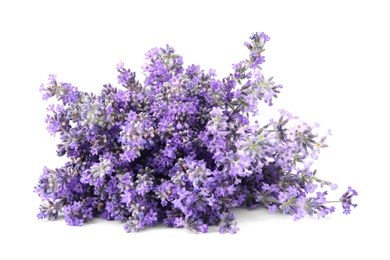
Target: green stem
236, 109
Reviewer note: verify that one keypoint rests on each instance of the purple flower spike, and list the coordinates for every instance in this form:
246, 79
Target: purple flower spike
346, 200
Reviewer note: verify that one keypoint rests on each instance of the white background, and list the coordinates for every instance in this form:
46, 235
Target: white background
331, 56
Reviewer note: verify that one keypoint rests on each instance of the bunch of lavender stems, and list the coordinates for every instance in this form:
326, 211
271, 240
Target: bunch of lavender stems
180, 149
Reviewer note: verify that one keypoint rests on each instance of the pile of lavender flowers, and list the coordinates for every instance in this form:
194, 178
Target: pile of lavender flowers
180, 149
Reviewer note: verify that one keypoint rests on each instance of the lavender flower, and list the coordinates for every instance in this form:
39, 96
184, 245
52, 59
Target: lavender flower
346, 200
180, 148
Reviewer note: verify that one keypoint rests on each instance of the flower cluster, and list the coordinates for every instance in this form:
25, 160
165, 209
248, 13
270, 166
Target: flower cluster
180, 148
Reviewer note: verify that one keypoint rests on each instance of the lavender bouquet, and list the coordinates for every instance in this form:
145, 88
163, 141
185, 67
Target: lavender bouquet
180, 149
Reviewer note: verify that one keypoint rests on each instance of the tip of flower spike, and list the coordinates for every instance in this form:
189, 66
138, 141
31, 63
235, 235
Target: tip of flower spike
170, 49
346, 200
120, 66
52, 78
